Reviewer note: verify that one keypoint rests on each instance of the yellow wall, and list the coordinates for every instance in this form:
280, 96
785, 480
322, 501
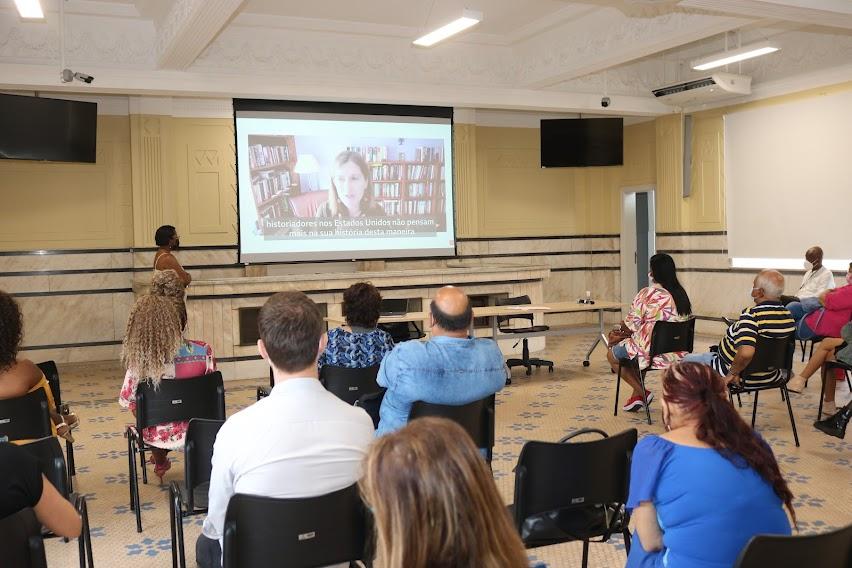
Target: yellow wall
704, 209
511, 195
61, 206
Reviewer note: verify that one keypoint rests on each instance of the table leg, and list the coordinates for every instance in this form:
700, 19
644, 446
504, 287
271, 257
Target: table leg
597, 339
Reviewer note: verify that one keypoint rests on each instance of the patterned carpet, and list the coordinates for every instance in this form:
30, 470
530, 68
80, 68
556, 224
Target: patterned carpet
543, 407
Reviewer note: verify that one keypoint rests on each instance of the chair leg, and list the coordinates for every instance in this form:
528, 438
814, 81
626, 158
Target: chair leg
792, 419
617, 389
627, 540
822, 392
72, 470
644, 394
142, 459
754, 409
525, 357
131, 469
739, 400
585, 553
87, 533
134, 481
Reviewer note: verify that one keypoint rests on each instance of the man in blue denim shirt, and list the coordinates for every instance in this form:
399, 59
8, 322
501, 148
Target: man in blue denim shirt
451, 368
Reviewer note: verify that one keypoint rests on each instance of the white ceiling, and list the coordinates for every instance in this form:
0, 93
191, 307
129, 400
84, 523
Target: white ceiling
532, 55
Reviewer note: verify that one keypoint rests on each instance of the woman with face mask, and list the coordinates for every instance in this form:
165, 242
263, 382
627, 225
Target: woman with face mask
351, 194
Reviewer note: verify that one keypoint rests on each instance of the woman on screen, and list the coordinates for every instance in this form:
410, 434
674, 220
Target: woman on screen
351, 193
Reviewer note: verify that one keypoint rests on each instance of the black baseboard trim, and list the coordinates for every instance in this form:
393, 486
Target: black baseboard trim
542, 238
237, 359
71, 292
693, 234
70, 345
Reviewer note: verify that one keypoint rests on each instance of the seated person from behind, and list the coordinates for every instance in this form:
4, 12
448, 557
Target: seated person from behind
451, 368
351, 193
22, 485
300, 441
664, 300
155, 350
363, 345
703, 489
825, 315
21, 376
767, 318
817, 278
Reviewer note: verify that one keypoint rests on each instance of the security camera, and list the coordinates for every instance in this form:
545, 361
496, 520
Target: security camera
605, 102
67, 76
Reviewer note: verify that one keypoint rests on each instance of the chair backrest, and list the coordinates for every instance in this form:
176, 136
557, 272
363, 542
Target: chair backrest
305, 205
771, 354
553, 476
516, 301
672, 337
826, 550
21, 542
25, 418
314, 531
349, 384
372, 403
198, 454
477, 417
180, 399
51, 373
49, 454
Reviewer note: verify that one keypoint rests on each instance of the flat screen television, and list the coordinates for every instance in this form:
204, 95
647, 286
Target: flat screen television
35, 128
582, 142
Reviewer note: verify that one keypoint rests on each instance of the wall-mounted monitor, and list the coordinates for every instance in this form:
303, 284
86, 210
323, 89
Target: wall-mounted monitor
582, 142
35, 128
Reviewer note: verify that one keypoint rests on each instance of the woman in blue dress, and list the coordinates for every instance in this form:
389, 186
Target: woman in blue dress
363, 344
703, 489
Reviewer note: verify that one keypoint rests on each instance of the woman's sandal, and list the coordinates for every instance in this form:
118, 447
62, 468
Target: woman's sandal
161, 468
63, 430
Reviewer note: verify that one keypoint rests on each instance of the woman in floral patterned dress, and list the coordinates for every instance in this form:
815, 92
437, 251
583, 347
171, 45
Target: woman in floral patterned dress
363, 345
155, 350
664, 300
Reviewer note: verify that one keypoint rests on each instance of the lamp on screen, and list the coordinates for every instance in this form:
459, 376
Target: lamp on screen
307, 165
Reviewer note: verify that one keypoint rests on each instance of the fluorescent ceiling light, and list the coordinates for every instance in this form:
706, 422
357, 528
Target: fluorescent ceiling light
30, 9
469, 19
733, 56
836, 265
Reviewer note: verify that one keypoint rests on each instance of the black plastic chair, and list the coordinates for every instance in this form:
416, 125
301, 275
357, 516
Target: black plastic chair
771, 355
349, 384
826, 368
25, 417
477, 419
51, 373
189, 497
826, 550
49, 454
667, 337
263, 392
314, 531
173, 401
803, 343
525, 361
573, 491
372, 404
21, 542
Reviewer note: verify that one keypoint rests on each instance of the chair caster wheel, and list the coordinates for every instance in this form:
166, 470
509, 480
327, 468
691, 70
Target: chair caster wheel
529, 372
586, 363
508, 382
550, 369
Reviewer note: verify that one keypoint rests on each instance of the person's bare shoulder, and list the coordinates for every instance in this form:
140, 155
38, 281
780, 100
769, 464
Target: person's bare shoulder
19, 379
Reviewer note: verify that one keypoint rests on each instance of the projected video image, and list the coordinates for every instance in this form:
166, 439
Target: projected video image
316, 186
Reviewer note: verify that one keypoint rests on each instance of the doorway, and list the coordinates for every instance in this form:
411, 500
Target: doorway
638, 238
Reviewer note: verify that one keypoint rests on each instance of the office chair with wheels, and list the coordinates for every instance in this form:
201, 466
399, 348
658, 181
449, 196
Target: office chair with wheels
189, 497
573, 491
51, 373
174, 400
827, 550
770, 355
667, 337
313, 531
349, 384
477, 419
525, 361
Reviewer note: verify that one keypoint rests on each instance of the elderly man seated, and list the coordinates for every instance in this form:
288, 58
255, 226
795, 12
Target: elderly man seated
767, 318
451, 368
817, 279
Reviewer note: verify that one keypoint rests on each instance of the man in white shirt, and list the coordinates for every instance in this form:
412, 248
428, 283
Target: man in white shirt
300, 441
817, 278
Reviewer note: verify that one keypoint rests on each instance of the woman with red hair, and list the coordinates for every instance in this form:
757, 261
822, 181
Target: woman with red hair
700, 491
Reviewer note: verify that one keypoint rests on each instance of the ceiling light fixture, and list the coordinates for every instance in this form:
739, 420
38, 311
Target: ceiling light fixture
30, 9
469, 19
734, 55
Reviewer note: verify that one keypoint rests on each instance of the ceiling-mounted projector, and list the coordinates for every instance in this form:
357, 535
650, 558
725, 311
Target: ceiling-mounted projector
718, 86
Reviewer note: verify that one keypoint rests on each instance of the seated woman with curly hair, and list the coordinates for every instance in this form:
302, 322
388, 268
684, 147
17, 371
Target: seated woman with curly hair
21, 376
363, 345
155, 350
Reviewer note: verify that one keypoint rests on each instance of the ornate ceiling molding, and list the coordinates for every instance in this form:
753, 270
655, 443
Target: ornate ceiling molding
189, 27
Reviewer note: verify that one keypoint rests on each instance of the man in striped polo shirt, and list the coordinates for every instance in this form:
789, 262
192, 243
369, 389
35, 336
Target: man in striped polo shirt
767, 318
